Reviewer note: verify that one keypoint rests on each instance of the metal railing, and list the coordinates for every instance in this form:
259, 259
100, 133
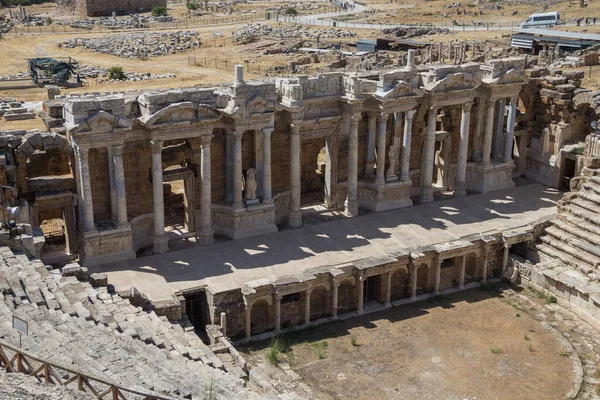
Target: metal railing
14, 359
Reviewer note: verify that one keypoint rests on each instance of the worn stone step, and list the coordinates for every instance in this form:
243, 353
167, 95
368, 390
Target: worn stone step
552, 254
565, 244
586, 204
581, 213
563, 235
578, 227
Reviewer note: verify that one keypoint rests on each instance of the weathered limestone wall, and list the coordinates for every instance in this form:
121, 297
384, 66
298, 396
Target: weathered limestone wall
98, 8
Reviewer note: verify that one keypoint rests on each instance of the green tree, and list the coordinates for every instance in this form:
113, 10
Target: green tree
291, 11
116, 73
159, 11
191, 5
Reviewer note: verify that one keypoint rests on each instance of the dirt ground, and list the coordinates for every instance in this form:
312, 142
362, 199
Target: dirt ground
471, 345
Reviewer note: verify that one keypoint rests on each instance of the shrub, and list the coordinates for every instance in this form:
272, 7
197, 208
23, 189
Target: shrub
191, 5
159, 11
116, 73
291, 11
353, 341
526, 336
551, 299
496, 350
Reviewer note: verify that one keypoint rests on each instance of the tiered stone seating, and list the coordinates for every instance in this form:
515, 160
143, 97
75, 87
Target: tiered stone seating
102, 334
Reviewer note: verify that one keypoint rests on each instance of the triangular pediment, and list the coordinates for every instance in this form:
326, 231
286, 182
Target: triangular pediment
511, 77
454, 82
402, 89
181, 112
101, 122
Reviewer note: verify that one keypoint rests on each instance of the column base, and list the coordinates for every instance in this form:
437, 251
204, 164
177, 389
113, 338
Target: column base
484, 178
351, 209
160, 244
427, 195
205, 238
295, 219
360, 312
391, 196
459, 190
388, 305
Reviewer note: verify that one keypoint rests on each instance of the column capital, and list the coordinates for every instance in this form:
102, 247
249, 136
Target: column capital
205, 140
267, 131
157, 146
83, 153
466, 107
117, 150
433, 108
514, 99
237, 135
294, 129
490, 102
410, 114
382, 116
372, 114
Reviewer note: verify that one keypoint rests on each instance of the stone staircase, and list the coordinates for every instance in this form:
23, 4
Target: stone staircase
573, 237
102, 334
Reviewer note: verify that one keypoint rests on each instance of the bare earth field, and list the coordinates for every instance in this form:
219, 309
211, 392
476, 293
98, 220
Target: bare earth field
470, 345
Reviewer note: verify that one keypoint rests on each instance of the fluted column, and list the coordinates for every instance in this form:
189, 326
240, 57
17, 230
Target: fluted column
489, 131
351, 205
121, 197
381, 135
237, 169
498, 137
427, 170
307, 306
160, 242
438, 274
86, 190
267, 190
206, 231
370, 159
295, 216
334, 302
510, 130
406, 141
111, 179
463, 147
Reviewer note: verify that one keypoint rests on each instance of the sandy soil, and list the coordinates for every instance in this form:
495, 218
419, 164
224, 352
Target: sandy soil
470, 346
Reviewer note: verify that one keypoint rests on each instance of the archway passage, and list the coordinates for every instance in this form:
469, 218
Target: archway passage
260, 320
372, 288
399, 284
472, 273
314, 163
52, 224
196, 308
422, 279
346, 298
320, 304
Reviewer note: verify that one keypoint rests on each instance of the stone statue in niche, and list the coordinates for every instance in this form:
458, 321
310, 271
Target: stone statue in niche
393, 160
251, 184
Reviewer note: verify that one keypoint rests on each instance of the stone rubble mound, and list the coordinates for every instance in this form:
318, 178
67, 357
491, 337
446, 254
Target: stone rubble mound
253, 32
134, 45
13, 110
102, 75
416, 31
100, 333
20, 386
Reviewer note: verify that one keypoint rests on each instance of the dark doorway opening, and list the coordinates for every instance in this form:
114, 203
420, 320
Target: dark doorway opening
371, 288
196, 308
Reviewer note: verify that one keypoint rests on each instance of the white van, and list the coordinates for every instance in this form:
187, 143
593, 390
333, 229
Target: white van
542, 20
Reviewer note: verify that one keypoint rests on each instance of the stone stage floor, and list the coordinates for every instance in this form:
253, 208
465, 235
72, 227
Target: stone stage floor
227, 265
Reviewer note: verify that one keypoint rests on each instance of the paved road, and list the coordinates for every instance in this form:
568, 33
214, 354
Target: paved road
228, 265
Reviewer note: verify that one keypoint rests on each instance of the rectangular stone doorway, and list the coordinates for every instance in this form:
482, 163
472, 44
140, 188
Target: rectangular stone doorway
196, 309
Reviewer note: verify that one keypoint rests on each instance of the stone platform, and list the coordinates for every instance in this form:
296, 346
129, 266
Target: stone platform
228, 265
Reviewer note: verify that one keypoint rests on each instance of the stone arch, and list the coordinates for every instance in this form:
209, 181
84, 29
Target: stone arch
472, 271
320, 303
260, 317
400, 284
422, 279
347, 297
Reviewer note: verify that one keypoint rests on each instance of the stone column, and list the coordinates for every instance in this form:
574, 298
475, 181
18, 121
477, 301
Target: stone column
160, 241
248, 319
489, 131
361, 286
267, 190
461, 277
277, 313
370, 159
351, 205
438, 272
505, 256
510, 130
476, 151
499, 130
413, 281
86, 185
388, 290
334, 302
295, 216
237, 169
485, 265
381, 135
206, 231
406, 140
463, 146
427, 170
307, 306
111, 178
121, 197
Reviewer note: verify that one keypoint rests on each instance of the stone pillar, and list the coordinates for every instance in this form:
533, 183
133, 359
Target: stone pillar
406, 140
413, 281
111, 180
381, 135
427, 170
476, 151
121, 197
370, 159
248, 319
331, 171
489, 131
461, 277
267, 190
505, 257
86, 185
485, 265
239, 75
463, 146
499, 130
388, 290
277, 313
410, 60
237, 169
361, 294
307, 306
295, 216
206, 231
510, 130
334, 302
438, 272
160, 241
351, 205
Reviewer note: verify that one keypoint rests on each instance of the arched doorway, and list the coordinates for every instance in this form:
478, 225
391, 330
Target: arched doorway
320, 303
399, 284
260, 317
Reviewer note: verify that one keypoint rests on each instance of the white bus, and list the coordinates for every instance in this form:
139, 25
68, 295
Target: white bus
542, 20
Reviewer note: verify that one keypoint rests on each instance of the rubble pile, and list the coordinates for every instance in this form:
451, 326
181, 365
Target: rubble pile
102, 75
18, 75
252, 32
134, 45
13, 110
6, 25
416, 31
131, 22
